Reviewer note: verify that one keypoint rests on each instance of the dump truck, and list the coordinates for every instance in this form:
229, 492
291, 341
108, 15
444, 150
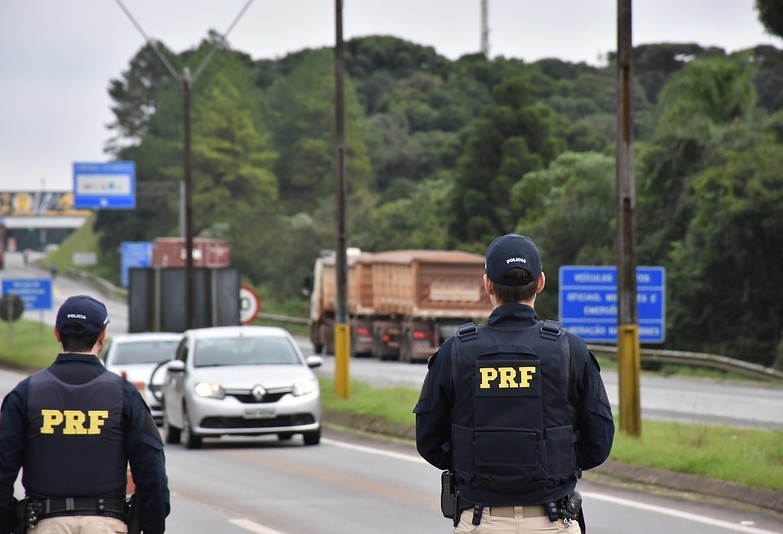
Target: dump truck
402, 304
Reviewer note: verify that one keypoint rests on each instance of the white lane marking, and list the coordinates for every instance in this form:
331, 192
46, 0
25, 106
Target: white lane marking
676, 513
597, 496
253, 526
379, 452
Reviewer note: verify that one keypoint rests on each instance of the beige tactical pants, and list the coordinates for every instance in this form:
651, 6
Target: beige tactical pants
80, 524
512, 520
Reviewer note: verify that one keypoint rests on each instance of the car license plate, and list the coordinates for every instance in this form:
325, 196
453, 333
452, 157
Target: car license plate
263, 412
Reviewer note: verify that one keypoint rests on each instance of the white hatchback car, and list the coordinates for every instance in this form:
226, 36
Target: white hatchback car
136, 356
240, 380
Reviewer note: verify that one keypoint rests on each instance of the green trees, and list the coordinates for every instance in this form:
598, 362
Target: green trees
771, 16
450, 154
301, 115
708, 210
514, 135
568, 209
727, 272
232, 162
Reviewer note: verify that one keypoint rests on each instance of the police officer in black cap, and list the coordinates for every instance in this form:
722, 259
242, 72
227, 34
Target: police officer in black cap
73, 428
513, 410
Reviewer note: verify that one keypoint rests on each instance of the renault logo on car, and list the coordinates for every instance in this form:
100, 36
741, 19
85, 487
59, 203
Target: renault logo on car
258, 393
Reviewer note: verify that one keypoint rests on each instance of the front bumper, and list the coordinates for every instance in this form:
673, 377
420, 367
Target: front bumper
229, 416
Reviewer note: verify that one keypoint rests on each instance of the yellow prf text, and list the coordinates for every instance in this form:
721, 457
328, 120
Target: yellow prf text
73, 422
506, 377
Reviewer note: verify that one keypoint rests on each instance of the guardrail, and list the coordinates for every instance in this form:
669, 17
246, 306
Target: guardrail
282, 318
697, 359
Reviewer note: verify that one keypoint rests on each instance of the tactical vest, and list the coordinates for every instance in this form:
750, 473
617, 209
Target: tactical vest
75, 444
513, 425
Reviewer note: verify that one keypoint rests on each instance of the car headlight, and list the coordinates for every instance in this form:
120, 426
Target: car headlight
304, 387
210, 391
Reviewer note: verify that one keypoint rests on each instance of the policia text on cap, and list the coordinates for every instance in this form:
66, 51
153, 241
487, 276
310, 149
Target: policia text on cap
513, 410
73, 428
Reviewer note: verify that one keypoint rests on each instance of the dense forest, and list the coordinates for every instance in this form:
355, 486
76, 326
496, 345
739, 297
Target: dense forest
450, 154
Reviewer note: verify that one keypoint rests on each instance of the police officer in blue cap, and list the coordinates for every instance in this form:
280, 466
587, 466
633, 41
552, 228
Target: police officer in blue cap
73, 428
514, 410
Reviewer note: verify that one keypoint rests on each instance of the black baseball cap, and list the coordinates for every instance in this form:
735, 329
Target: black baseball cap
512, 251
81, 315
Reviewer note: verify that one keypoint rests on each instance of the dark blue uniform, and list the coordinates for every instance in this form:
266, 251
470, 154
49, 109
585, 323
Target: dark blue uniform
515, 415
95, 467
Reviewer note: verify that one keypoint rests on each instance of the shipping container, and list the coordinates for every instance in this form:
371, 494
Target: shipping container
207, 252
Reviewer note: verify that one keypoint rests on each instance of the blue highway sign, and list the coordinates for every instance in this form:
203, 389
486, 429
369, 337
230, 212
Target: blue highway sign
104, 185
588, 302
134, 254
36, 293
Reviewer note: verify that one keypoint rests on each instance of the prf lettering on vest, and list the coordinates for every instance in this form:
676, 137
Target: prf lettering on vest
506, 377
73, 421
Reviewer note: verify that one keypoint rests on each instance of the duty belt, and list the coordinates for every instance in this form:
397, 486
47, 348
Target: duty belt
113, 506
521, 511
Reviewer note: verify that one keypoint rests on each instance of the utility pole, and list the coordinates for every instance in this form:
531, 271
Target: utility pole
342, 331
484, 28
628, 350
187, 183
186, 81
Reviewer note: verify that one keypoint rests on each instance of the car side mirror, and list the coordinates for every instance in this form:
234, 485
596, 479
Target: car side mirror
314, 361
176, 366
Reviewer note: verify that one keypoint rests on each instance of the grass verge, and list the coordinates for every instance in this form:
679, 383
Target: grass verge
751, 458
27, 344
84, 239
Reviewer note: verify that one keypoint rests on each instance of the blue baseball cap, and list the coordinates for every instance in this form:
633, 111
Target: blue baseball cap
512, 251
81, 315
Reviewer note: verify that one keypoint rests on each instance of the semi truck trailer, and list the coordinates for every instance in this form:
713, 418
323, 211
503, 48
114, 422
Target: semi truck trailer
402, 304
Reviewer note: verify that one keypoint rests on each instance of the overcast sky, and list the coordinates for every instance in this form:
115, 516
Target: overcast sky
58, 56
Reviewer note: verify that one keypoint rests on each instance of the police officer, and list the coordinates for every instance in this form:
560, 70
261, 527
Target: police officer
73, 428
515, 409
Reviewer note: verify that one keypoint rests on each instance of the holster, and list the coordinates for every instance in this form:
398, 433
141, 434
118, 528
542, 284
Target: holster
132, 514
570, 507
448, 495
25, 516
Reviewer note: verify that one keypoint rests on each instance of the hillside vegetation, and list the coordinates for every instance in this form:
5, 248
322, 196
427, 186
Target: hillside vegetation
449, 154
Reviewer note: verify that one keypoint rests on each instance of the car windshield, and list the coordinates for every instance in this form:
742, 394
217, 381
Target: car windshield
244, 351
144, 352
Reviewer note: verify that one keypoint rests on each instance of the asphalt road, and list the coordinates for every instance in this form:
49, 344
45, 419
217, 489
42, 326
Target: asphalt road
350, 484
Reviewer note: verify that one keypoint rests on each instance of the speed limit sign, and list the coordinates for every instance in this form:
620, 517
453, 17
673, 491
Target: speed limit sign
249, 305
